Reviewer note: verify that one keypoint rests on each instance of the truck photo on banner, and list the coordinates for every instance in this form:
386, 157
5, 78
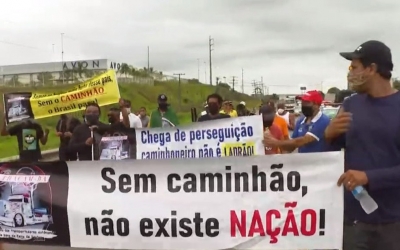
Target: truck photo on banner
102, 89
241, 136
33, 200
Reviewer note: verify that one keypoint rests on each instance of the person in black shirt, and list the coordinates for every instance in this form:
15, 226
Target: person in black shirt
82, 141
28, 134
64, 129
214, 102
118, 128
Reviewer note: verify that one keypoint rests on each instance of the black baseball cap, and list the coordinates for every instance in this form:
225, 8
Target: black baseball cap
374, 52
162, 98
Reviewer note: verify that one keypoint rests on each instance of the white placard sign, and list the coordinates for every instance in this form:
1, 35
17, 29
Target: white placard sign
259, 202
241, 136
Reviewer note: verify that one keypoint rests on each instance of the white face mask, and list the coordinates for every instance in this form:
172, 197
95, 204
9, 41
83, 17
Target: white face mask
128, 110
280, 111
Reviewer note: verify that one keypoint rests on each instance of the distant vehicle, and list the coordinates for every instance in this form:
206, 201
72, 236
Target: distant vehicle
290, 103
297, 109
330, 111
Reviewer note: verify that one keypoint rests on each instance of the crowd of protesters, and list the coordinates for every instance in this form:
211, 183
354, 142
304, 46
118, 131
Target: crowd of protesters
366, 127
80, 137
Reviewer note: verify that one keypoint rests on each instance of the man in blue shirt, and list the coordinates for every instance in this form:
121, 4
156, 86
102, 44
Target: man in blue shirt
308, 134
368, 127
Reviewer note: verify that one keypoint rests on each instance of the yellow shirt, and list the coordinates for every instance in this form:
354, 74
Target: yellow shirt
233, 113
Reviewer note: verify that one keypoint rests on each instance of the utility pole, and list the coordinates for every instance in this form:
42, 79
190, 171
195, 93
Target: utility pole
233, 83
62, 56
148, 58
198, 69
205, 72
179, 93
258, 89
210, 48
242, 82
54, 60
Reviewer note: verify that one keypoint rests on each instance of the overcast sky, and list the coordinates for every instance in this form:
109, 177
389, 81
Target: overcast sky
287, 42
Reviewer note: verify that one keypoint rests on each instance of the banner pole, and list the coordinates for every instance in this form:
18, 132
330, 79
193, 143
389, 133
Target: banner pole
91, 134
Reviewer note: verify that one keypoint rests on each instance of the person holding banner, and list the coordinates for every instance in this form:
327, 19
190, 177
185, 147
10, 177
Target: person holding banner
367, 126
144, 118
133, 120
214, 103
64, 129
268, 115
86, 136
118, 141
28, 133
279, 121
308, 134
164, 116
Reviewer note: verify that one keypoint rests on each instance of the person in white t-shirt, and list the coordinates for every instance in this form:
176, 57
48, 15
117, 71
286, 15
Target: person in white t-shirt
289, 118
134, 120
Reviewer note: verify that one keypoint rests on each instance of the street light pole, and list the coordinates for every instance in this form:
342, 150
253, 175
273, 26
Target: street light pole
179, 93
148, 58
205, 72
62, 56
242, 82
210, 48
198, 69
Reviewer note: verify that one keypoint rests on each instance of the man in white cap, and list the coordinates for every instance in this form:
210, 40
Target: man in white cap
242, 110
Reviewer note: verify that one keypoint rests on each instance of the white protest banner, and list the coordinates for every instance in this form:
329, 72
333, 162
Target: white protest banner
259, 202
241, 136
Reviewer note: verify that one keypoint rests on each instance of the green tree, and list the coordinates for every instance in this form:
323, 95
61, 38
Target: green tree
89, 74
45, 78
67, 75
14, 81
79, 71
396, 83
224, 85
125, 70
333, 90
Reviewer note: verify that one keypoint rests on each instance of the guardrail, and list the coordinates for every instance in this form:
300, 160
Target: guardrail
48, 155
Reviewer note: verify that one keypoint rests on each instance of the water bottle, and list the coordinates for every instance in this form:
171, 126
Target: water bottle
366, 201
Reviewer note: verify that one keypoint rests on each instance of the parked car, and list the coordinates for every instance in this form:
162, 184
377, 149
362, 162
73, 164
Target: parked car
330, 111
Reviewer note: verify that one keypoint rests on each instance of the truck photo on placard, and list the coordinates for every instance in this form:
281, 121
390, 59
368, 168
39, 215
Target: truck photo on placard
17, 107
